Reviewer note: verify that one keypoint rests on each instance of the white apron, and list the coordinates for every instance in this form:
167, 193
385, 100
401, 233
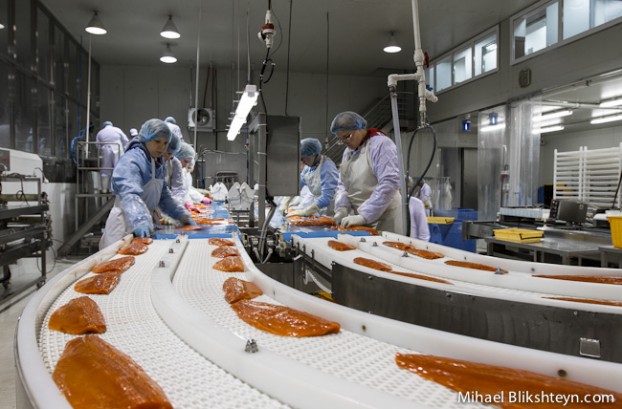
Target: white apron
359, 180
314, 183
116, 226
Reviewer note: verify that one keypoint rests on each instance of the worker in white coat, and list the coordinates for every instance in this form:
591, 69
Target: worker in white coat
419, 228
111, 143
424, 193
186, 155
138, 183
320, 175
369, 178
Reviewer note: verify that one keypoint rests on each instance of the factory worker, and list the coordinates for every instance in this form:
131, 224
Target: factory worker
186, 155
111, 143
368, 190
419, 228
173, 177
138, 183
424, 193
175, 129
320, 175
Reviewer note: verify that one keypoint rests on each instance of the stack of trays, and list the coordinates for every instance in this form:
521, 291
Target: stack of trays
519, 235
441, 220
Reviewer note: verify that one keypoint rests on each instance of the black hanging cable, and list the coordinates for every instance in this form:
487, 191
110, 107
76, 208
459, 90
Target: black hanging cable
289, 43
420, 178
615, 196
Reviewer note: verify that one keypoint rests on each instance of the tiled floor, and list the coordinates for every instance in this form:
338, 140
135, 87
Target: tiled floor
10, 310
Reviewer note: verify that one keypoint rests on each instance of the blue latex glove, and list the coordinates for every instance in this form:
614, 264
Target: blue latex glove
142, 230
187, 221
355, 220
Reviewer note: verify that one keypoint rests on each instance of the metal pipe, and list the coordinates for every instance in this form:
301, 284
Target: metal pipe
400, 159
196, 87
88, 101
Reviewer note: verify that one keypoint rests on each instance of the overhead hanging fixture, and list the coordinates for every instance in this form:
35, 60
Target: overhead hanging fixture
611, 103
392, 47
168, 56
170, 29
95, 26
547, 129
247, 102
605, 119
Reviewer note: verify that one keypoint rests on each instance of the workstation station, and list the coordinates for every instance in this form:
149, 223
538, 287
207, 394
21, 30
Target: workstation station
228, 204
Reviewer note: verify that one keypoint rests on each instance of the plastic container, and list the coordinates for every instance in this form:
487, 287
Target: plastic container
615, 223
519, 235
440, 220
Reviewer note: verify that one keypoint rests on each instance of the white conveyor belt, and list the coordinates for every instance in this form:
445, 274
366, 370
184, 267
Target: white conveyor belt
169, 314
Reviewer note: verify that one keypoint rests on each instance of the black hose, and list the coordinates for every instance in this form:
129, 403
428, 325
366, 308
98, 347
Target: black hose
613, 204
410, 193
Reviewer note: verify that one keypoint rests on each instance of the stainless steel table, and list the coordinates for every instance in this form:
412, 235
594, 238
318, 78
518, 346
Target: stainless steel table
548, 250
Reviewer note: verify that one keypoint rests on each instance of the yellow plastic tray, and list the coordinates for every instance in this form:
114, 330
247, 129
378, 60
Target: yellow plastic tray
441, 220
519, 235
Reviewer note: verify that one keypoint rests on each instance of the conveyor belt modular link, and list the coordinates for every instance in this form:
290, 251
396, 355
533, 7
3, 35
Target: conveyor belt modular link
168, 313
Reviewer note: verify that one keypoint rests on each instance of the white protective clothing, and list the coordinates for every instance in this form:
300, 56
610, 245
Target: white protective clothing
419, 228
322, 183
425, 195
116, 226
111, 142
359, 182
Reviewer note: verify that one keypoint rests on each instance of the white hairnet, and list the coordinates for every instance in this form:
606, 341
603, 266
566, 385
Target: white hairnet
133, 132
310, 147
170, 119
173, 144
106, 123
347, 121
154, 128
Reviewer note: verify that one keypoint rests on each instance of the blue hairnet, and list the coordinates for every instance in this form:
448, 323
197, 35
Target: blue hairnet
170, 119
185, 151
154, 128
310, 147
106, 123
347, 121
173, 144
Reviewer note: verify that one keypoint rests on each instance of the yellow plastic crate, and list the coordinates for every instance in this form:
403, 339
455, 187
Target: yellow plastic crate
519, 235
615, 223
440, 220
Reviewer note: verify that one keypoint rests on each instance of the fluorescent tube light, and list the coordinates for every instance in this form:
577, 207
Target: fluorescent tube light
247, 102
548, 129
611, 103
556, 114
604, 119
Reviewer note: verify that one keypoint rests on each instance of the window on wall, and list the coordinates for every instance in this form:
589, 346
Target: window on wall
463, 65
23, 47
4, 31
475, 58
42, 56
553, 22
536, 30
485, 57
581, 16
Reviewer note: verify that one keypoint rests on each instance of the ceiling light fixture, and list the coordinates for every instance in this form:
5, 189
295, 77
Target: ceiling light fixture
246, 103
168, 56
170, 29
548, 129
556, 114
392, 47
95, 26
604, 119
611, 103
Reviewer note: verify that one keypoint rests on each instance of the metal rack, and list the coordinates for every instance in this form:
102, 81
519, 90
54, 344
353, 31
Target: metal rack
24, 232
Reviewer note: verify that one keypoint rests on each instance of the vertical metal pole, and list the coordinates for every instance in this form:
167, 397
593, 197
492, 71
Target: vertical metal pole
261, 163
196, 80
88, 102
400, 161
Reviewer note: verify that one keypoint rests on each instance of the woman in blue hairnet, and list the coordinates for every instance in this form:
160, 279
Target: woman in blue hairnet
138, 183
369, 179
320, 175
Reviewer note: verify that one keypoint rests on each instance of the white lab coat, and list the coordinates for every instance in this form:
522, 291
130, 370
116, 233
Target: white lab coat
419, 228
113, 141
359, 181
425, 195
